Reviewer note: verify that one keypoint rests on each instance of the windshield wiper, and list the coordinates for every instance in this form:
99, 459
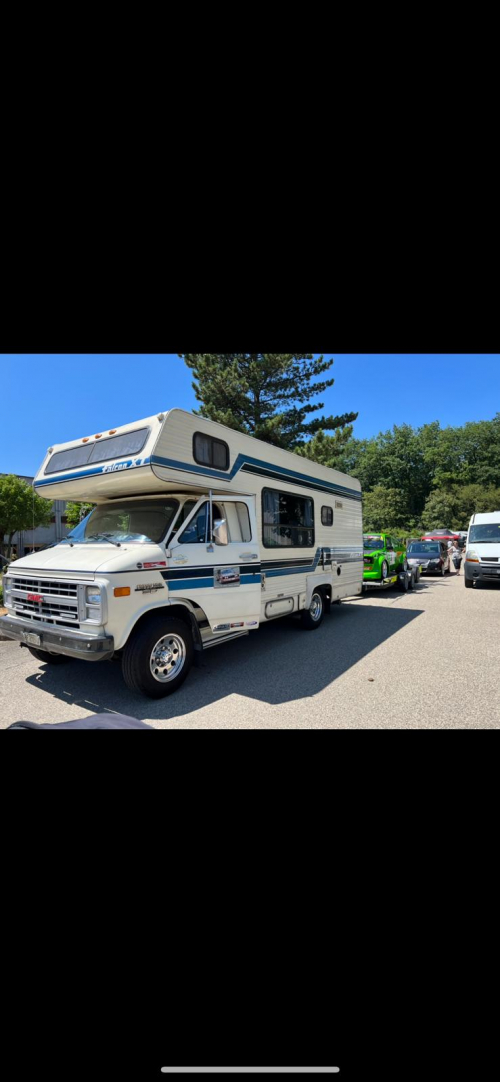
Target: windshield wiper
98, 536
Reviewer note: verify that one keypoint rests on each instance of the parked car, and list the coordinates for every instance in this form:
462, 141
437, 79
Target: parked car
383, 555
432, 556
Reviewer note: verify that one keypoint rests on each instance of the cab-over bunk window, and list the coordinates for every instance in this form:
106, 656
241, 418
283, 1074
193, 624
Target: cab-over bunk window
128, 443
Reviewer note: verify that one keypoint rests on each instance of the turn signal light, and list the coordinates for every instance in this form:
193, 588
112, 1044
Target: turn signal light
121, 591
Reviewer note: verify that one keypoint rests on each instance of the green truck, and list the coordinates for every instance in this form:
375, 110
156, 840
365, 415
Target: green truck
383, 556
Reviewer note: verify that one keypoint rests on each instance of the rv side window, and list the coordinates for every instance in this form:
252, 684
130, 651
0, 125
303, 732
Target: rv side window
208, 451
287, 520
327, 516
196, 532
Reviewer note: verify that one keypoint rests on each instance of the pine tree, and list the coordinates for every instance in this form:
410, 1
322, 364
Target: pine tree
266, 395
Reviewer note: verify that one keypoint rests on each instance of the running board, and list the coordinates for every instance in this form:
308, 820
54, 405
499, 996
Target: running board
223, 638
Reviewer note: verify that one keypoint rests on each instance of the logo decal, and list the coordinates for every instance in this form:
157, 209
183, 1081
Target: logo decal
117, 466
148, 587
156, 563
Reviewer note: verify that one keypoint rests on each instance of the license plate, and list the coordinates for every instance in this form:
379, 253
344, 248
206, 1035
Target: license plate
30, 637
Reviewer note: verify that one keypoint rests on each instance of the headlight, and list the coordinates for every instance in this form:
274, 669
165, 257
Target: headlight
93, 596
472, 556
7, 591
93, 605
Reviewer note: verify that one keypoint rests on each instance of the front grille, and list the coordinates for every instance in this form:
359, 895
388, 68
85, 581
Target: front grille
489, 559
59, 604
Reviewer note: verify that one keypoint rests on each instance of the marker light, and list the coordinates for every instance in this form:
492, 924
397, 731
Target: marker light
86, 440
98, 436
121, 591
111, 431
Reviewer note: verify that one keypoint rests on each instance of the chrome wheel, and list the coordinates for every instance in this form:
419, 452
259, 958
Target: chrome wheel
316, 607
167, 658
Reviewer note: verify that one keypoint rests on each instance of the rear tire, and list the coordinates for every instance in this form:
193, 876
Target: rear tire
158, 657
312, 617
46, 657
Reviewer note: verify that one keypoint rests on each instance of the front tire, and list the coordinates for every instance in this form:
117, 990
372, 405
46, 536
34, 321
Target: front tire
46, 657
468, 583
385, 570
313, 616
158, 657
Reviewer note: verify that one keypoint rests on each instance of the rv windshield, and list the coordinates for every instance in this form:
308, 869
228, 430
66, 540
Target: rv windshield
134, 520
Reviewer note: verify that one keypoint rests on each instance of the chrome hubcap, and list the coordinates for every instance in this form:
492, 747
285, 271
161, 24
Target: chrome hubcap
167, 657
316, 607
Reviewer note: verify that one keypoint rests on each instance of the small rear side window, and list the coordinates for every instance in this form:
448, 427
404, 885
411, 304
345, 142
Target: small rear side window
207, 451
327, 516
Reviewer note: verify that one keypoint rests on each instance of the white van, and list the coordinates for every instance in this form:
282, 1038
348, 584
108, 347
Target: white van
199, 534
482, 554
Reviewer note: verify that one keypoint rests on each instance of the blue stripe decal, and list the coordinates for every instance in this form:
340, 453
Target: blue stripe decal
244, 460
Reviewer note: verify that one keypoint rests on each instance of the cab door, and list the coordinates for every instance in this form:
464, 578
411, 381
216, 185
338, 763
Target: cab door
218, 570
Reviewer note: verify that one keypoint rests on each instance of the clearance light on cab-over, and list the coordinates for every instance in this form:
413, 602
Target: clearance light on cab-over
121, 591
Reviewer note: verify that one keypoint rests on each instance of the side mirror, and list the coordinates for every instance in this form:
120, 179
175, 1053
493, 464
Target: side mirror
220, 531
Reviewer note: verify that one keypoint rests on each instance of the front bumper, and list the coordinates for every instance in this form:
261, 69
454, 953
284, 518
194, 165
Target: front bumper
372, 575
58, 641
483, 572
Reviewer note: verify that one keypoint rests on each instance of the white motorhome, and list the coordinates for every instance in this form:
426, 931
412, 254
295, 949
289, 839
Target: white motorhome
482, 553
199, 534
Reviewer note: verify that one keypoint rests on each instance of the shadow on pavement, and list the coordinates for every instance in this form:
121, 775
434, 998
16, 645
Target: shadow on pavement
278, 663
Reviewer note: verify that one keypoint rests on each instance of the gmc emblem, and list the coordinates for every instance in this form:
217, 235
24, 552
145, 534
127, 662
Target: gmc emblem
35, 597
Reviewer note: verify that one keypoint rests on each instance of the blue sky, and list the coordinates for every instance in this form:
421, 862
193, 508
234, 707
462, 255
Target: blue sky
49, 399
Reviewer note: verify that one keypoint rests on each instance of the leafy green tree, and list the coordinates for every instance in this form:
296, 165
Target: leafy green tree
266, 395
384, 509
454, 506
20, 509
441, 510
75, 512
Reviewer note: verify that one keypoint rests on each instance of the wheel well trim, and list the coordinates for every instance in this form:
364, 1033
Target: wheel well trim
196, 617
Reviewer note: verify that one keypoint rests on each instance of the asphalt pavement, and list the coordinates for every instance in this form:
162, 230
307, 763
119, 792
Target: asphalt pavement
427, 659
